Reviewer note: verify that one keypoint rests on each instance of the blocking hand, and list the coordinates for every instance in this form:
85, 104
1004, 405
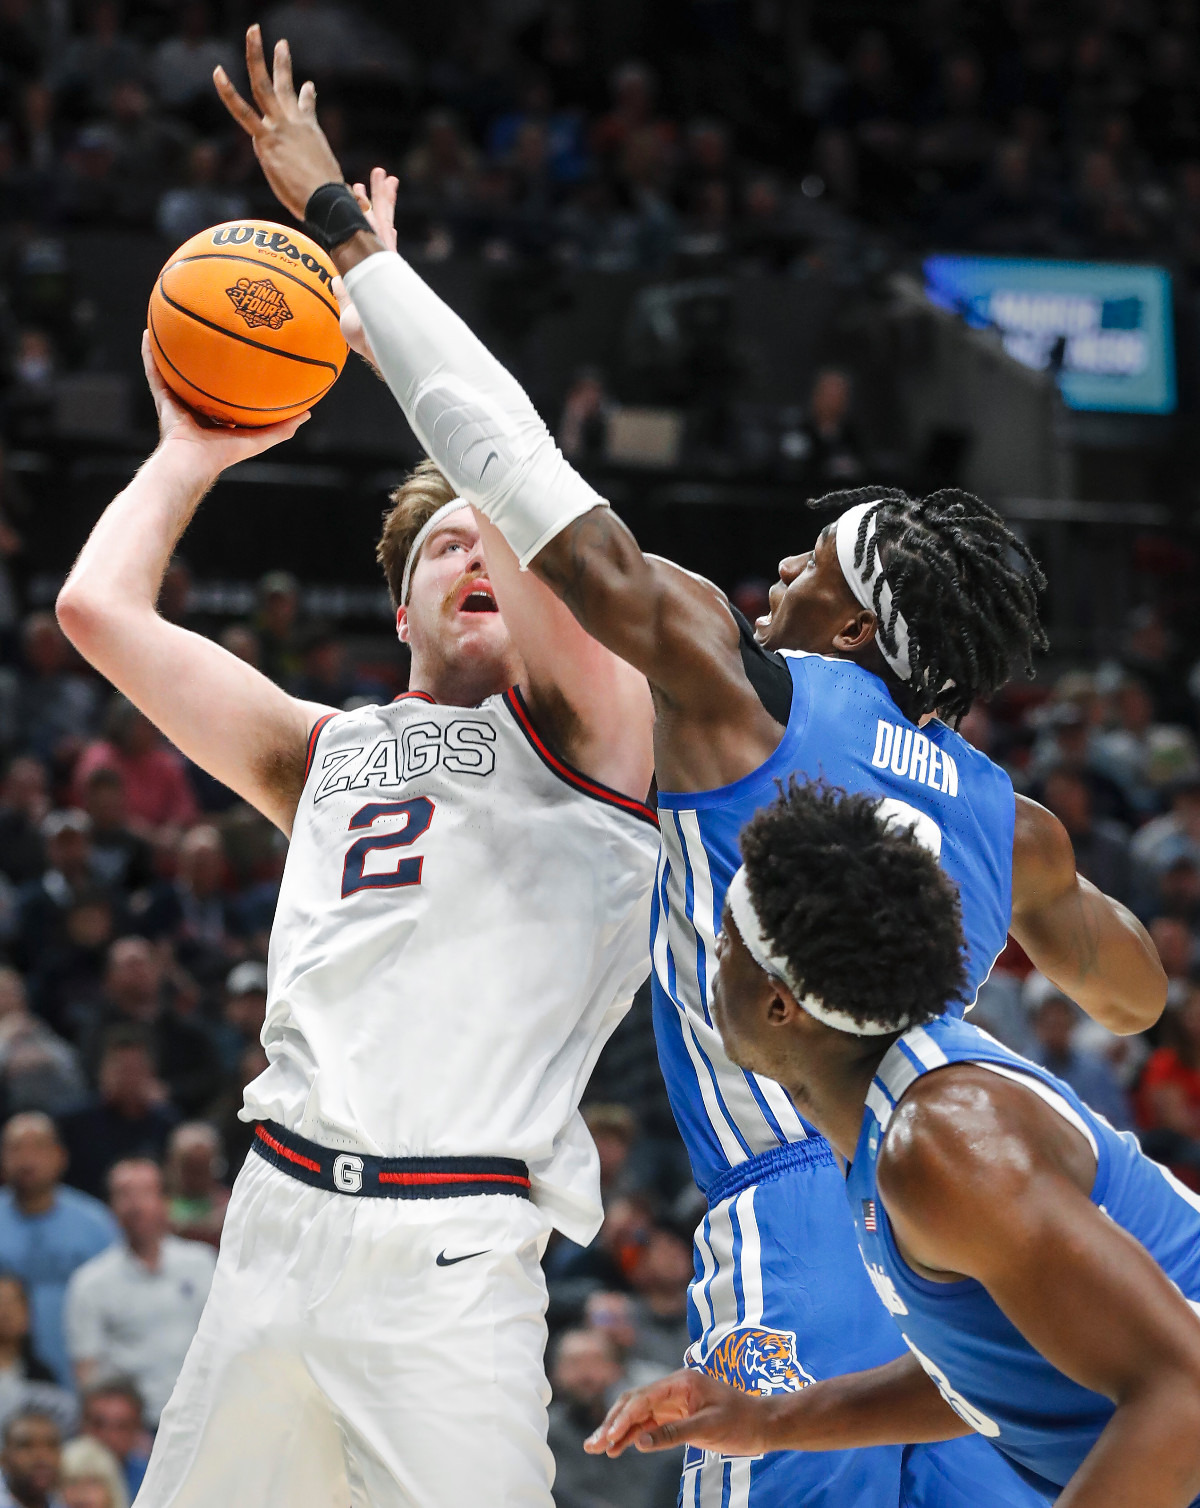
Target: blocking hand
689, 1405
288, 142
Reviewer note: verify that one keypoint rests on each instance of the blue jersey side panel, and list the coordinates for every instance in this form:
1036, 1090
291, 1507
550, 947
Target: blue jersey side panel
987, 1370
844, 728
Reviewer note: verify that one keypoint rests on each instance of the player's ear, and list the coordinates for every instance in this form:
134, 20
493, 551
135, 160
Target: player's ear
856, 633
402, 624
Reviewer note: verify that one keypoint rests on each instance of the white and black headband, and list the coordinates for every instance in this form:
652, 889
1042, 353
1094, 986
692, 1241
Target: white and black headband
423, 533
745, 917
862, 581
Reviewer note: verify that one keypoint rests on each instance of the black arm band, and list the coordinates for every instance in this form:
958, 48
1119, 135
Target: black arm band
332, 215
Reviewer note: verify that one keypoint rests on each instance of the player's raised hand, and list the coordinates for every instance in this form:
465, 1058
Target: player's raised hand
379, 206
288, 142
216, 448
689, 1405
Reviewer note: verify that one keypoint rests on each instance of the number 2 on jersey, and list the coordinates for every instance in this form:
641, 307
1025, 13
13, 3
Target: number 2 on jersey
418, 814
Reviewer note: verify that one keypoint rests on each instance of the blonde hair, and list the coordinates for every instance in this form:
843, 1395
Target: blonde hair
85, 1459
413, 504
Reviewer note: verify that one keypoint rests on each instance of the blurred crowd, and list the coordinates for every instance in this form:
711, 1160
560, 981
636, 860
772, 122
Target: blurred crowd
136, 894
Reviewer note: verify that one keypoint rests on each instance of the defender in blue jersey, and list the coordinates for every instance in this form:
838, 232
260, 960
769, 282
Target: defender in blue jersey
904, 609
1043, 1273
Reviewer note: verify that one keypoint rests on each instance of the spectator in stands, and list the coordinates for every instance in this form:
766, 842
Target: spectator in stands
120, 857
1168, 1097
1055, 1022
1101, 845
46, 1230
833, 456
26, 1382
235, 1133
134, 1309
135, 993
196, 1196
245, 1011
30, 1460
24, 804
442, 170
661, 1275
92, 63
1142, 756
183, 63
193, 910
148, 148
1174, 835
587, 408
327, 676
614, 1130
91, 1476
156, 785
111, 1414
278, 626
187, 210
131, 1117
67, 986
585, 1373
1177, 952
70, 872
57, 706
38, 1070
615, 1315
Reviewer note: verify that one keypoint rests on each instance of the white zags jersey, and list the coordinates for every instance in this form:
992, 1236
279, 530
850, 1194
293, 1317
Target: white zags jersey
462, 923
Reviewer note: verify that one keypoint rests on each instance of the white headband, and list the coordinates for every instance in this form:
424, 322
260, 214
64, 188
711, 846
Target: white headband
741, 907
423, 534
861, 582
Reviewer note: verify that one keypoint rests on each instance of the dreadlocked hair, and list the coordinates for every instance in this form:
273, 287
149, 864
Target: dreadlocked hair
862, 913
971, 608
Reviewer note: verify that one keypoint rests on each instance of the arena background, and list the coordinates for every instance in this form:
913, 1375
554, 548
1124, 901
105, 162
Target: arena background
740, 252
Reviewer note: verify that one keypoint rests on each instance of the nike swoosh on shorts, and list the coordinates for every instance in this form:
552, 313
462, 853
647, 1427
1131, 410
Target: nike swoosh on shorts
444, 1261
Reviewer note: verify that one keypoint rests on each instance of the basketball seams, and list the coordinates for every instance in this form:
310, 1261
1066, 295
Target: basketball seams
249, 408
259, 266
312, 361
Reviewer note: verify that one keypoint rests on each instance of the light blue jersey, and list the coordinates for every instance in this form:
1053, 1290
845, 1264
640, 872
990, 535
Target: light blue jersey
780, 1297
984, 1367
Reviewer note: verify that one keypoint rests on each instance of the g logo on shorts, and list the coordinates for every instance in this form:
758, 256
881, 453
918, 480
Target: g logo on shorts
347, 1173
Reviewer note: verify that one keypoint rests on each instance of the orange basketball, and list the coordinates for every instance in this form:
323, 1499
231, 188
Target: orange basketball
244, 325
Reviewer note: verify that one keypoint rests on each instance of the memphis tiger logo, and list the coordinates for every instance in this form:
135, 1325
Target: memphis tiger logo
757, 1359
259, 303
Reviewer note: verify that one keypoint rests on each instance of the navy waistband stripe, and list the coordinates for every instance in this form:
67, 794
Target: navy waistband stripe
362, 1175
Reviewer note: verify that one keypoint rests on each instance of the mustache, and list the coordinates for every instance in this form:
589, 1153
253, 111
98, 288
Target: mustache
448, 600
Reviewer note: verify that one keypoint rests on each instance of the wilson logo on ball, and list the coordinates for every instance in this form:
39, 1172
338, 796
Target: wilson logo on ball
259, 303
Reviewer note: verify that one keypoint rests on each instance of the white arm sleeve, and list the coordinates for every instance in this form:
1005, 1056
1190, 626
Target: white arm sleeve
472, 417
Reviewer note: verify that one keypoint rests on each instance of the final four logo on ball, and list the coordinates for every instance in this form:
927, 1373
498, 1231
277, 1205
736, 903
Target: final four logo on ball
259, 303
756, 1359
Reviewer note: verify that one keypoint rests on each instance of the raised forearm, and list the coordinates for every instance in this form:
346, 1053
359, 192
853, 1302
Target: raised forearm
1148, 1455
122, 565
896, 1404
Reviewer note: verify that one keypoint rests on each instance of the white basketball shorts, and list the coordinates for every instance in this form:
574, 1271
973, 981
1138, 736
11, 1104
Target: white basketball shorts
363, 1353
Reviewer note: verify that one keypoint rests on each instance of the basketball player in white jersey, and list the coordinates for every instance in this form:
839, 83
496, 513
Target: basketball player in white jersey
462, 922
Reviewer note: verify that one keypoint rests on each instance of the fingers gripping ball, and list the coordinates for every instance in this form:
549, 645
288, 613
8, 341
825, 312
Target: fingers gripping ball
244, 323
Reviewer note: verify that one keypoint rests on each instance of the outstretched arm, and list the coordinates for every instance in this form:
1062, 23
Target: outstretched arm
594, 705
472, 417
232, 721
1093, 948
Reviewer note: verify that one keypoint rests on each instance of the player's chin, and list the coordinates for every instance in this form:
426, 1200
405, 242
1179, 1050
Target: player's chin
482, 633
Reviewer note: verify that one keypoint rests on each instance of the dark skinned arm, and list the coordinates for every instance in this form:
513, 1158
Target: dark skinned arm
675, 629
895, 1404
982, 1179
1093, 948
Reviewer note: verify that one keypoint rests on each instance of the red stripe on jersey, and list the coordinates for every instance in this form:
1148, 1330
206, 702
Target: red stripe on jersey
417, 1178
312, 740
278, 1146
422, 696
516, 704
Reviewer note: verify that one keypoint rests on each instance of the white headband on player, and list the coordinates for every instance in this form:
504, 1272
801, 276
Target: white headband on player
423, 533
741, 907
862, 582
